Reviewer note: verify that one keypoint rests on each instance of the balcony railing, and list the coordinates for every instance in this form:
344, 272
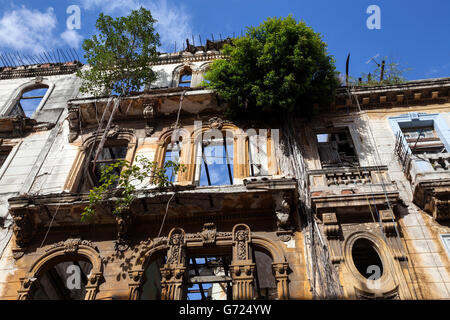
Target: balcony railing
422, 166
342, 177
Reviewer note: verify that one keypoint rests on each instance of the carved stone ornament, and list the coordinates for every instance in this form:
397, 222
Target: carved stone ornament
283, 213
241, 239
149, 113
176, 242
209, 233
74, 123
23, 231
71, 246
217, 123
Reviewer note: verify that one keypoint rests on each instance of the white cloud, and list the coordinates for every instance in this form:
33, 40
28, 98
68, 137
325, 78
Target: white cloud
173, 19
27, 30
72, 38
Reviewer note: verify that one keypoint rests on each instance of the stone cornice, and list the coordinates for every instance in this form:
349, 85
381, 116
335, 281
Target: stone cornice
49, 69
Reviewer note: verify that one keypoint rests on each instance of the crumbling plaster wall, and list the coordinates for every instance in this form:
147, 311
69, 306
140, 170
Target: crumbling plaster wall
429, 260
23, 162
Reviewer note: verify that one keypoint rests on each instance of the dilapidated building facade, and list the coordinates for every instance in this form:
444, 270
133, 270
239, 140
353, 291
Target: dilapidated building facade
351, 204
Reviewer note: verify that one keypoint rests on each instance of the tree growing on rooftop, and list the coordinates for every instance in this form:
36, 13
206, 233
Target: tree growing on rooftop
121, 54
120, 57
278, 68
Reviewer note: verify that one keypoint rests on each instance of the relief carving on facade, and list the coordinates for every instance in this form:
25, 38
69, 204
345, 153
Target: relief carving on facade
23, 232
283, 211
150, 112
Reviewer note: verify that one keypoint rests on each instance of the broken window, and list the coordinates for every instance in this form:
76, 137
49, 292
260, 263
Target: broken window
64, 281
257, 154
185, 78
173, 153
209, 278
112, 151
215, 158
29, 102
336, 149
423, 139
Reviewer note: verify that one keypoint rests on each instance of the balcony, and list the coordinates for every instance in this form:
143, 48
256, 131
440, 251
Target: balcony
343, 187
429, 174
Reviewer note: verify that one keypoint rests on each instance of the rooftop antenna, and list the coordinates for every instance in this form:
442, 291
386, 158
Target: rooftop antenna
346, 70
379, 65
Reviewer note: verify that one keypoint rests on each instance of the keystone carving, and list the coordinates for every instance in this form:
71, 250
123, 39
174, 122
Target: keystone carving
149, 113
71, 246
209, 233
283, 213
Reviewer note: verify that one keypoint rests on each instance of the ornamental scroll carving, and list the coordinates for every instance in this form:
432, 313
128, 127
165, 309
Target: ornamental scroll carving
176, 244
241, 240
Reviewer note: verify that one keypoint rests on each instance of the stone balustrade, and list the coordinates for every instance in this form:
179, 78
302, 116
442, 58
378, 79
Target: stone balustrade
348, 176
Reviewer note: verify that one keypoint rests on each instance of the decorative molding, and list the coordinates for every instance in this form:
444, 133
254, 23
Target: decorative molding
209, 234
23, 232
40, 70
71, 246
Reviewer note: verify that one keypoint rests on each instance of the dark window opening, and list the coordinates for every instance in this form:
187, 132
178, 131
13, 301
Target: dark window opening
111, 153
64, 281
216, 163
209, 278
366, 259
29, 102
265, 286
336, 149
4, 153
151, 289
423, 139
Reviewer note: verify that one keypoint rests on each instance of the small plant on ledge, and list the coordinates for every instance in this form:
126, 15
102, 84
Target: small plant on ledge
122, 187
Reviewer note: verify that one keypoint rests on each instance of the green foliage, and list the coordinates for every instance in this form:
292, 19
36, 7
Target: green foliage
123, 186
280, 67
119, 56
393, 74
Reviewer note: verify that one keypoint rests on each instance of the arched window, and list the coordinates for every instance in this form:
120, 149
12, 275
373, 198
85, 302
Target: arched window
185, 78
69, 270
265, 285
151, 288
64, 281
172, 153
29, 101
86, 173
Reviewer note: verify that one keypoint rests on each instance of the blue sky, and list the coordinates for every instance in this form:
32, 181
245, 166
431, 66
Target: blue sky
414, 33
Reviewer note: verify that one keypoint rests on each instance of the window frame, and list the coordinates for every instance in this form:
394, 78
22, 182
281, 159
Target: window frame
28, 86
446, 243
200, 159
414, 119
350, 138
